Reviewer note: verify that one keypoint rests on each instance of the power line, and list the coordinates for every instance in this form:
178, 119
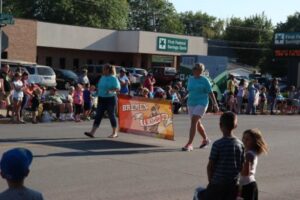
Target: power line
241, 48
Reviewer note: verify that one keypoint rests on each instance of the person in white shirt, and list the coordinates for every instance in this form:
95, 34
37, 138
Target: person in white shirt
18, 95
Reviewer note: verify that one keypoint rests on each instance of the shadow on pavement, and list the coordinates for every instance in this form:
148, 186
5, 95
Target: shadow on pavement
86, 145
104, 153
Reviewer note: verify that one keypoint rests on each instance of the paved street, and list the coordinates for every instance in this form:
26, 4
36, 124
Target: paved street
68, 166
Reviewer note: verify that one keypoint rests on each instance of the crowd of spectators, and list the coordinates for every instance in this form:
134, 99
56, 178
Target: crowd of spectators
251, 97
22, 98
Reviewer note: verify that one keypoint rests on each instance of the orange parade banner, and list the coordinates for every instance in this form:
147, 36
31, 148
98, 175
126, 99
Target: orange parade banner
148, 117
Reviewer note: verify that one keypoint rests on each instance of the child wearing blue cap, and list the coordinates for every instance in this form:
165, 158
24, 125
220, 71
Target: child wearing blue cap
14, 166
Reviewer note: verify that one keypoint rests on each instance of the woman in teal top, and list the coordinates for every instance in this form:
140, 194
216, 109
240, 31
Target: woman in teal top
199, 90
107, 89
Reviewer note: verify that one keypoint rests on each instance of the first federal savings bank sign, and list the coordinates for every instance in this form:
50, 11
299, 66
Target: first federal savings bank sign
172, 44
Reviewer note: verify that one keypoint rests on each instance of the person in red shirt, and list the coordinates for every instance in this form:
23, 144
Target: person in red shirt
149, 83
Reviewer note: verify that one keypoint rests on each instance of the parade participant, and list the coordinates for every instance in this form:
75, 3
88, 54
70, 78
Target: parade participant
124, 82
15, 165
199, 90
254, 146
107, 89
253, 96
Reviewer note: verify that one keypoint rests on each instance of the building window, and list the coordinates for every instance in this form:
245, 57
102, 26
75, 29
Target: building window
4, 55
100, 62
49, 61
89, 61
62, 63
76, 63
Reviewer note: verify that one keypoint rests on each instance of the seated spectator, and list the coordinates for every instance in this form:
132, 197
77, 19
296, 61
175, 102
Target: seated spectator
15, 165
56, 101
35, 102
145, 93
169, 92
159, 93
292, 100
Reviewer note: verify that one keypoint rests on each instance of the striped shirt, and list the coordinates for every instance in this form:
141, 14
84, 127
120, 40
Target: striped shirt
227, 155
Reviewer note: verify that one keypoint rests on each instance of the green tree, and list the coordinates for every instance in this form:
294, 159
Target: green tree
96, 13
291, 25
202, 24
154, 15
250, 38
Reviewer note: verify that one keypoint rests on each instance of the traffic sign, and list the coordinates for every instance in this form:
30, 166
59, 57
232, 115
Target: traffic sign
6, 19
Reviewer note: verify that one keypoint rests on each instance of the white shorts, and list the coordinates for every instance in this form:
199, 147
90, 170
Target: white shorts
197, 110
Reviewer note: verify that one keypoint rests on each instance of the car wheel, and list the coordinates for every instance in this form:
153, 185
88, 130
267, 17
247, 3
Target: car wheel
67, 85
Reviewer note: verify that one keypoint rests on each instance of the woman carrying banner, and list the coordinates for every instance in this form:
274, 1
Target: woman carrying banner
107, 89
199, 90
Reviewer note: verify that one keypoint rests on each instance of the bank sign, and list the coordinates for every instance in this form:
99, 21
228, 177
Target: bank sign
172, 44
287, 39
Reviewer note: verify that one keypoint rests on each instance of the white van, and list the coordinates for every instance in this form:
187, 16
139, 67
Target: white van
41, 74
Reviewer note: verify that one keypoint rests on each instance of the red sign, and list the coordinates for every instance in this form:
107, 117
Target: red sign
287, 53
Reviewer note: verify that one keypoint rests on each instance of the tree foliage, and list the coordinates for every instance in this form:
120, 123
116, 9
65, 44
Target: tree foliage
96, 13
250, 38
202, 24
291, 25
154, 15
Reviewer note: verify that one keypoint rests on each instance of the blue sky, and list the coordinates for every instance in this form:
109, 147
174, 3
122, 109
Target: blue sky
276, 10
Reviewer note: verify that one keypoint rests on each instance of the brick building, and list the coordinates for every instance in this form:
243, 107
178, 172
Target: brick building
66, 46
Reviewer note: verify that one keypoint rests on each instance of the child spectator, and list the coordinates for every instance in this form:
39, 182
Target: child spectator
263, 100
87, 102
15, 168
145, 93
18, 97
78, 102
225, 162
94, 99
69, 100
176, 102
254, 146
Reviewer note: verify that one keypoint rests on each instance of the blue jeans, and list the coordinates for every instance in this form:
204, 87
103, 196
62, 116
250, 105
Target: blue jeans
251, 108
106, 104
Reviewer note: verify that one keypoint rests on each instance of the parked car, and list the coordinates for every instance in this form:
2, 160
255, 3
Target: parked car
164, 75
94, 73
138, 73
41, 74
65, 78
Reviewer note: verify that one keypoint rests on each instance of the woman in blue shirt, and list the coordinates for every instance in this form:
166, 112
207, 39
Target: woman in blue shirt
199, 90
107, 89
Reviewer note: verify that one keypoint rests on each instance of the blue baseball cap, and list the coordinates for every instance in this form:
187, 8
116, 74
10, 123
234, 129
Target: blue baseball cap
15, 164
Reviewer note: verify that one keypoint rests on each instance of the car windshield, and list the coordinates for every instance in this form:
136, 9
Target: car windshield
170, 71
45, 71
140, 71
70, 74
30, 69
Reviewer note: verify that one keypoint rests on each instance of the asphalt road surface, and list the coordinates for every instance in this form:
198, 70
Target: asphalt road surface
69, 166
